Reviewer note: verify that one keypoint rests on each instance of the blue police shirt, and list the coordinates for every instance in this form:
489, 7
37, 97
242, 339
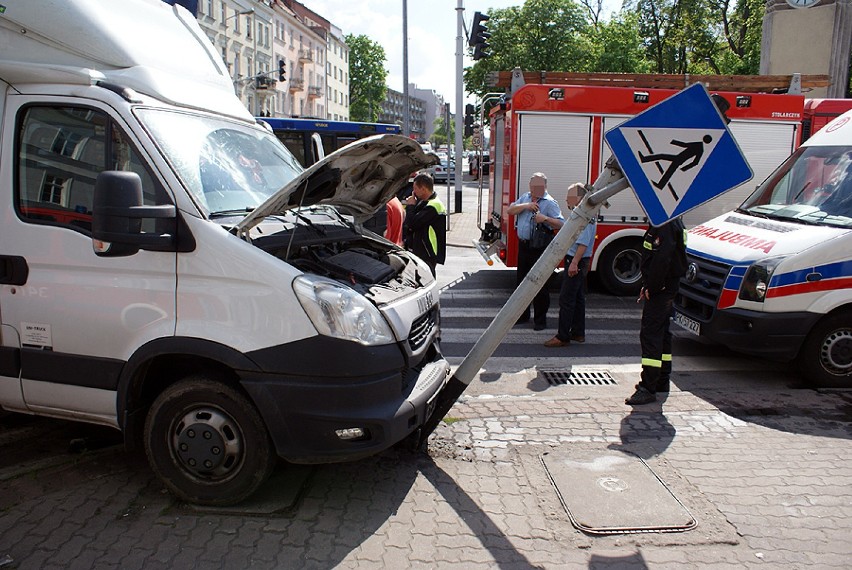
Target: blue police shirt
587, 238
524, 221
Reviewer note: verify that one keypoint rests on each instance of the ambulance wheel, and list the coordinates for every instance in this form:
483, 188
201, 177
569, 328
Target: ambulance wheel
207, 442
619, 267
825, 358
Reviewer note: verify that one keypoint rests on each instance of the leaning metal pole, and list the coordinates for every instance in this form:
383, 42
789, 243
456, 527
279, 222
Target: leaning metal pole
609, 182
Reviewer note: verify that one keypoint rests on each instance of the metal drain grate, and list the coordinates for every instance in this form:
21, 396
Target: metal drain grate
557, 377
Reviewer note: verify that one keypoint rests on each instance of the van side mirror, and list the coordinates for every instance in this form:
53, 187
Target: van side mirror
117, 214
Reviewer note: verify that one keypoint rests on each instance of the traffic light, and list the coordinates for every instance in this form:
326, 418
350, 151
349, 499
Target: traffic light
468, 120
282, 70
479, 36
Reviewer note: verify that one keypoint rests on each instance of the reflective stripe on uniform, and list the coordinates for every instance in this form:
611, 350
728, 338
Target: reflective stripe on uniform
433, 237
653, 363
647, 245
667, 358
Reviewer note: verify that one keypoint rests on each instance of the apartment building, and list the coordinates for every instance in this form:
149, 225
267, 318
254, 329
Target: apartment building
242, 32
393, 109
337, 76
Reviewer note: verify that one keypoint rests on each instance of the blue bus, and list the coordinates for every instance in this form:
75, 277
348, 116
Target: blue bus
297, 134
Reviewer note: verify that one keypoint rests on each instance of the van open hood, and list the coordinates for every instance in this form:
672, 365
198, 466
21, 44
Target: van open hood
358, 179
737, 238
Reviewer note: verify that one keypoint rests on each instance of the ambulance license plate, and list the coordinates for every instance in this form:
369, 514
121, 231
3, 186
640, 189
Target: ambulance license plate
685, 322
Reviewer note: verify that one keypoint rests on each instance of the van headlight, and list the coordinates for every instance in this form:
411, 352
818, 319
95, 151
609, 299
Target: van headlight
756, 280
338, 311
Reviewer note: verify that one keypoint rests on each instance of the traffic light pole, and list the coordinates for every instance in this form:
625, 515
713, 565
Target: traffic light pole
459, 141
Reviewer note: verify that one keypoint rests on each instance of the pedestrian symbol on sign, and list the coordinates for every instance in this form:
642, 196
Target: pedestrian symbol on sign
691, 151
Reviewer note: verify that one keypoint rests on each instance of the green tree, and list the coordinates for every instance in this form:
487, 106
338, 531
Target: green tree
540, 34
701, 36
367, 75
614, 46
439, 137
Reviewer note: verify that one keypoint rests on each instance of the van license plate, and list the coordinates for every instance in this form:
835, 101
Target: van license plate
685, 322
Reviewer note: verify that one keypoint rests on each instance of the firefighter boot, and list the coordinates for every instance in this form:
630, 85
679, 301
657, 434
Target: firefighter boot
640, 396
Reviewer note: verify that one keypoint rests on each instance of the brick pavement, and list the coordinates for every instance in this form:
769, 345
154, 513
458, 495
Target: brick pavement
767, 491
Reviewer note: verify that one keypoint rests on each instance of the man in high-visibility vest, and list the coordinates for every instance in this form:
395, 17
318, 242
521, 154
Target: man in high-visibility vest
425, 225
663, 264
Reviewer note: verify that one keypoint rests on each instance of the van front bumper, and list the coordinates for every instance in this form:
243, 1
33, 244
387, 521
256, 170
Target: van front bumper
327, 400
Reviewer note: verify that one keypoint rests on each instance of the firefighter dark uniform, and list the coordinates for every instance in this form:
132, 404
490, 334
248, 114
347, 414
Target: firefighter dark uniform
663, 264
425, 230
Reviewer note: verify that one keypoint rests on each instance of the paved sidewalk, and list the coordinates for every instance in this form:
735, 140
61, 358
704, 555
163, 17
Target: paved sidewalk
770, 491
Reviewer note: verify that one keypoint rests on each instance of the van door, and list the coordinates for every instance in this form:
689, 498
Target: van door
76, 318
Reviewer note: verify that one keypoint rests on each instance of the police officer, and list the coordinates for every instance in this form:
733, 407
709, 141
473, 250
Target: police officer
663, 264
425, 225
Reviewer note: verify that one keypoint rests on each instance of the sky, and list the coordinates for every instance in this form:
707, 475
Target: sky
432, 34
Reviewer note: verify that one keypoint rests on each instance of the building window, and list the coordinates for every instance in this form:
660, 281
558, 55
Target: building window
52, 189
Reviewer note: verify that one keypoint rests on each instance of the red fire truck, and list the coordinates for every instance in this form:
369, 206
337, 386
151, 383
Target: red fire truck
558, 129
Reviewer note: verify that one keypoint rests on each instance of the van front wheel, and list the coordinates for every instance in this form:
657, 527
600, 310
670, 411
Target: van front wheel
825, 358
207, 442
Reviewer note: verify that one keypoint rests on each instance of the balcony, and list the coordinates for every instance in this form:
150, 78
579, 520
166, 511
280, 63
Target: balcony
306, 56
297, 84
264, 82
314, 91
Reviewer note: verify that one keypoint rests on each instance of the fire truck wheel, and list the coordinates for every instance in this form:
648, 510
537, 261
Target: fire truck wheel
825, 358
619, 267
207, 442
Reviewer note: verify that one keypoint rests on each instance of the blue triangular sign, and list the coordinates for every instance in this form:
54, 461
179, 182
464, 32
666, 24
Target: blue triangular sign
678, 154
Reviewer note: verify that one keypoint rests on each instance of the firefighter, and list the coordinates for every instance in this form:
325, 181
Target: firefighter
663, 264
425, 225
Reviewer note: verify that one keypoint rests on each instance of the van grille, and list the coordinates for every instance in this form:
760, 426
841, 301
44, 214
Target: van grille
699, 295
421, 329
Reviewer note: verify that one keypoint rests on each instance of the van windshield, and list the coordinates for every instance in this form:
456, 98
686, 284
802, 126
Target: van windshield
228, 167
813, 186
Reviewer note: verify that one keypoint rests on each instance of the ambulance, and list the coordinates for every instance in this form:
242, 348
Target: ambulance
169, 269
773, 278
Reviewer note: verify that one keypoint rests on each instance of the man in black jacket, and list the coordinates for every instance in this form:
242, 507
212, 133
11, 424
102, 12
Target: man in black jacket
425, 226
663, 264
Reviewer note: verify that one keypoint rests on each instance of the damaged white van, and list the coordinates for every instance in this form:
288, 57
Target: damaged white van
774, 277
169, 269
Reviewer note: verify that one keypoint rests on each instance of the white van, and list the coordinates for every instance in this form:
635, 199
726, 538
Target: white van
167, 267
774, 277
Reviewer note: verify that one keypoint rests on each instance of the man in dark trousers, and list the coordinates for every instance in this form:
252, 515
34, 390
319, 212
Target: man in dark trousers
663, 264
531, 208
425, 225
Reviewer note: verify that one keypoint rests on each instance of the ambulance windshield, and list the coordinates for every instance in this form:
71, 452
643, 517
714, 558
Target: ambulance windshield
814, 186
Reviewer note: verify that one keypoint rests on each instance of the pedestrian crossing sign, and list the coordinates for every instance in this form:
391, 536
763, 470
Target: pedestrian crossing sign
678, 154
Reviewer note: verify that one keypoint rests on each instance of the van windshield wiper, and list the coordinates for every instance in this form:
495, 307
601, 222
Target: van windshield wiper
310, 223
226, 213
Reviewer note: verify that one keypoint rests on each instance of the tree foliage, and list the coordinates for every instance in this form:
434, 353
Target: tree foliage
656, 36
367, 75
439, 137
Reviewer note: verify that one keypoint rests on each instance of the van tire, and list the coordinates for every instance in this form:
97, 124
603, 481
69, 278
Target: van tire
219, 459
619, 267
825, 358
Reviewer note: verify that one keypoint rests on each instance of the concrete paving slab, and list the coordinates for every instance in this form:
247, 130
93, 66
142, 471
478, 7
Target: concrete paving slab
609, 491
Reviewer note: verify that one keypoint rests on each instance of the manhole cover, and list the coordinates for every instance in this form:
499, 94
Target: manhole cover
558, 377
613, 492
